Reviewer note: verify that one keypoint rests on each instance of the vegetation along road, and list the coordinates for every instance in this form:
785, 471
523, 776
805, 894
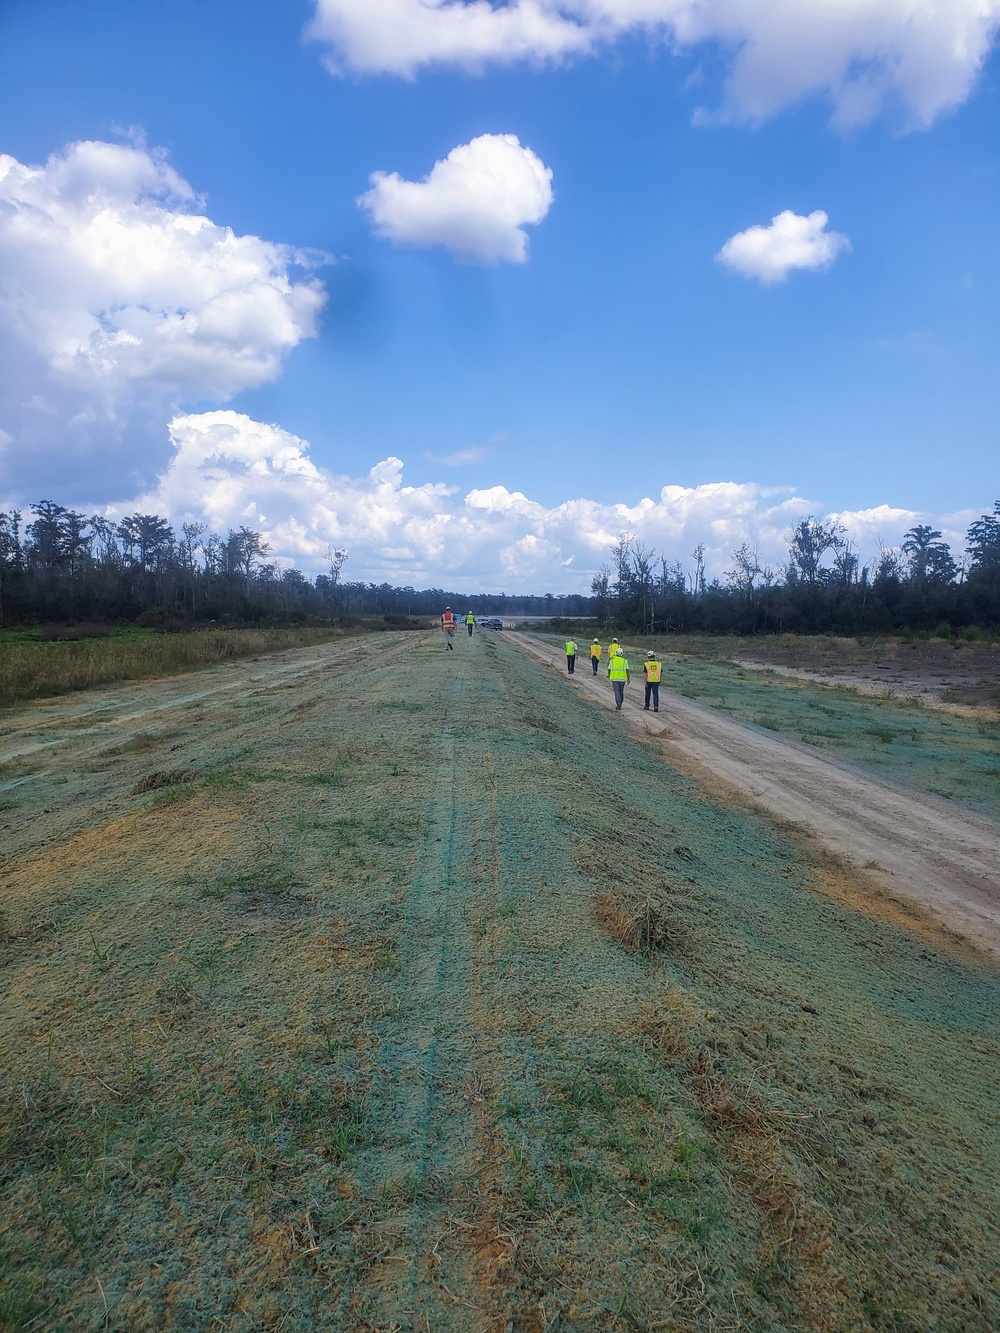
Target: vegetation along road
369, 986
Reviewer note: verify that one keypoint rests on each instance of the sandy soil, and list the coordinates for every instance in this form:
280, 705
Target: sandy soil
915, 846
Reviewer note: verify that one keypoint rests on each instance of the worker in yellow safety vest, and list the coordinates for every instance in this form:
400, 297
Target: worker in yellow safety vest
618, 674
652, 674
470, 621
595, 655
571, 655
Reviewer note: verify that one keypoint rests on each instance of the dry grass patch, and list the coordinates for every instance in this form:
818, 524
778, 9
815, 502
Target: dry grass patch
159, 779
36, 670
638, 923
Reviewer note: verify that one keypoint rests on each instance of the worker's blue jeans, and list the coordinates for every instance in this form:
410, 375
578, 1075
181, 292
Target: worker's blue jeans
653, 690
619, 688
595, 663
570, 662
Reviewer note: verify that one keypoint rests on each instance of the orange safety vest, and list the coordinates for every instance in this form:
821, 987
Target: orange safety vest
448, 619
653, 671
596, 650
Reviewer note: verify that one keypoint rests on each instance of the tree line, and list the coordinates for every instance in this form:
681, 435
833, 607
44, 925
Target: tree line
60, 566
822, 587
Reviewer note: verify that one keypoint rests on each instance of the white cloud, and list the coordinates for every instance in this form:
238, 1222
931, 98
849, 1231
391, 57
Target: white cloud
120, 300
475, 202
770, 253
229, 470
921, 55
461, 457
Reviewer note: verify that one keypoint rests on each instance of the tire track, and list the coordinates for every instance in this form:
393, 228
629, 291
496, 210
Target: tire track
427, 1078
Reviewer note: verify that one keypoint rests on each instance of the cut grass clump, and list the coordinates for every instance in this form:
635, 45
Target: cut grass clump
541, 724
159, 779
638, 924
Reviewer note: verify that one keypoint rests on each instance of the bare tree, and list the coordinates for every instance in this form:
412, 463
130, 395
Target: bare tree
747, 571
600, 586
810, 541
698, 577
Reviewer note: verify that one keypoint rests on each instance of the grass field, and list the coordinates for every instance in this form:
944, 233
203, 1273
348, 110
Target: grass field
33, 670
400, 989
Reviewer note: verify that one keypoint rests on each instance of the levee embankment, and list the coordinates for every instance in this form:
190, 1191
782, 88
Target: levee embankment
377, 986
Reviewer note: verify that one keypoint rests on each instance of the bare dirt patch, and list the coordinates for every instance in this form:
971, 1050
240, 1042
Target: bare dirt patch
941, 673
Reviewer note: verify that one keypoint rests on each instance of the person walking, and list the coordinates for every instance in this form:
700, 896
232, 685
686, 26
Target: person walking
595, 655
470, 621
618, 674
571, 655
449, 624
652, 674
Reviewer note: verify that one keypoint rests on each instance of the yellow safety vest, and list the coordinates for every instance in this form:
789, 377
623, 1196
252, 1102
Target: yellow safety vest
618, 668
596, 650
570, 648
470, 619
653, 671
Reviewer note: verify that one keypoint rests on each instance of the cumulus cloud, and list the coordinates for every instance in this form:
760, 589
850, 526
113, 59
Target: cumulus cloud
227, 470
475, 202
921, 55
770, 253
119, 301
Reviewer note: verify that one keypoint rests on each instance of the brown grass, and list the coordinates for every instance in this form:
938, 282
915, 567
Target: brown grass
637, 923
36, 670
161, 778
795, 1246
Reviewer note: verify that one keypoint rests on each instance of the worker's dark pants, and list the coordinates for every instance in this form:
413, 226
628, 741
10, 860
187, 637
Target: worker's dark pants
595, 662
571, 662
619, 688
469, 628
653, 691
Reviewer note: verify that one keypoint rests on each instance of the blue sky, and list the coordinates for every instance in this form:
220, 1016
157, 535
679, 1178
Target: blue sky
619, 358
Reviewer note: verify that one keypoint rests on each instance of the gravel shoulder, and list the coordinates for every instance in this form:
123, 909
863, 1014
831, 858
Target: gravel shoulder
914, 846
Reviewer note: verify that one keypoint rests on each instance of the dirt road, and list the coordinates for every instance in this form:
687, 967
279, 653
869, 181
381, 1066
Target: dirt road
916, 847
376, 987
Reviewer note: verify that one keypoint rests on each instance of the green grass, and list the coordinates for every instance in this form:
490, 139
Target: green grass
207, 1085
